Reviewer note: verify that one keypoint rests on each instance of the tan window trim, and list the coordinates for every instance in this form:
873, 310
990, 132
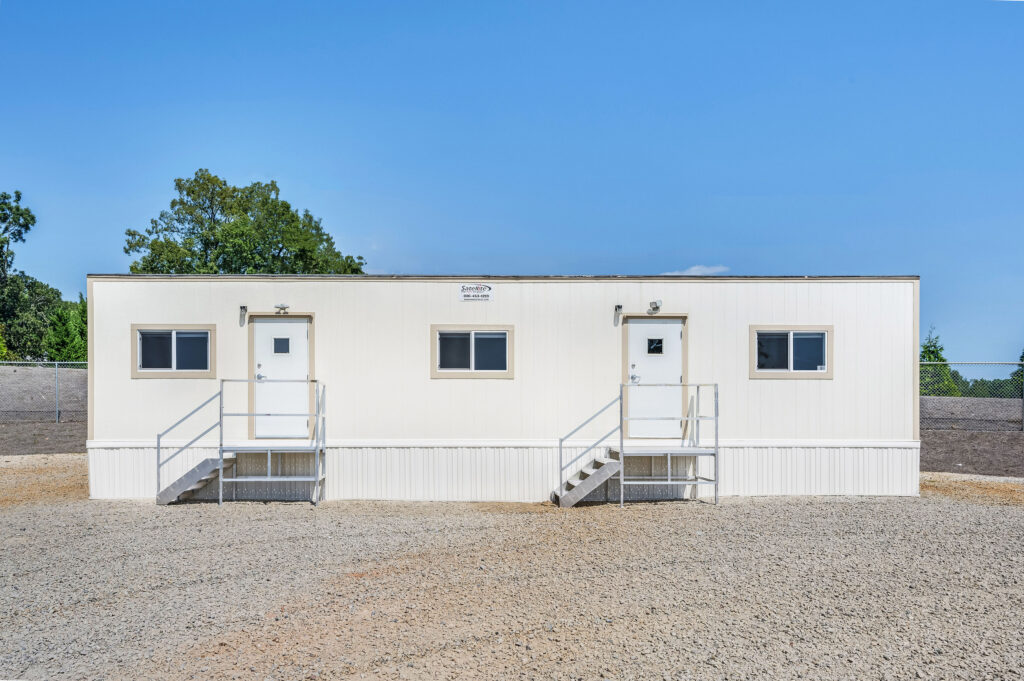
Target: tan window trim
435, 372
787, 374
145, 373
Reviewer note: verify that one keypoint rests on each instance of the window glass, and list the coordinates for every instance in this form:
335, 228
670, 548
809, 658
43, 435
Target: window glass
489, 351
281, 346
191, 350
453, 350
772, 350
154, 349
809, 351
655, 346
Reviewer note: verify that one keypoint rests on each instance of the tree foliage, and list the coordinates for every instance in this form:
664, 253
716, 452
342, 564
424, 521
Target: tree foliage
15, 221
990, 387
943, 381
1017, 377
26, 307
216, 228
936, 379
34, 321
65, 339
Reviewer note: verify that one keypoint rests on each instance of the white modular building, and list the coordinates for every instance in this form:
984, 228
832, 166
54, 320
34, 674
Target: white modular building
501, 388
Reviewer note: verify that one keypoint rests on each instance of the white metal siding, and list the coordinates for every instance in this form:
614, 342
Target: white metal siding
528, 474
373, 353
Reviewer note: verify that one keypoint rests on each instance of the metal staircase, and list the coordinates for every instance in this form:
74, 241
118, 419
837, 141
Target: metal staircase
187, 485
228, 454
608, 461
589, 478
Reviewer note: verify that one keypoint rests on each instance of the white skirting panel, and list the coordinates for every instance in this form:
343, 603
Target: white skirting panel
442, 473
529, 473
130, 472
762, 471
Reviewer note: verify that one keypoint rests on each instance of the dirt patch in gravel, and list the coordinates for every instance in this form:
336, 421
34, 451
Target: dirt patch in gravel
973, 489
982, 453
41, 438
43, 478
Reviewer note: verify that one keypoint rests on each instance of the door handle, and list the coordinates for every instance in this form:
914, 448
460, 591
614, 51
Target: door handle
633, 378
260, 377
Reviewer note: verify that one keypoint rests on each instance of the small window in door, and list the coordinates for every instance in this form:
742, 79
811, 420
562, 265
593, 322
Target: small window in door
281, 346
655, 346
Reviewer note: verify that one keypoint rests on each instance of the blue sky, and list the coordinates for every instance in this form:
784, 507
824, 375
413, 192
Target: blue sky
547, 137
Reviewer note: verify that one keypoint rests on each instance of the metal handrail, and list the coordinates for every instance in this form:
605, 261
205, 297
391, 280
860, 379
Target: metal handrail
318, 415
191, 442
188, 415
620, 429
269, 380
317, 438
596, 414
671, 385
696, 418
668, 418
561, 440
308, 415
159, 436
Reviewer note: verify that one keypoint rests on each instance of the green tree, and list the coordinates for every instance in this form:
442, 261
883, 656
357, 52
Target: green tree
1017, 377
65, 336
215, 228
3, 350
26, 305
936, 380
15, 221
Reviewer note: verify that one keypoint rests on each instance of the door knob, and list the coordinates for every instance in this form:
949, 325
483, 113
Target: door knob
260, 377
633, 378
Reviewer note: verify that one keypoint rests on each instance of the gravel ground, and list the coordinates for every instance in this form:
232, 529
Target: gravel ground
984, 453
836, 588
42, 438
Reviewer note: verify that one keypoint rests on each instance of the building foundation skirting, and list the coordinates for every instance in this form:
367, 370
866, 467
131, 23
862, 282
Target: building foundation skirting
519, 473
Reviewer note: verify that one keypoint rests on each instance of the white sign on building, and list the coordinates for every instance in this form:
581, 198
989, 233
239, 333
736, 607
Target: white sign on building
472, 292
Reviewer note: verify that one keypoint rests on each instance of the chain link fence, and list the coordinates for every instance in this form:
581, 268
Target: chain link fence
37, 392
972, 396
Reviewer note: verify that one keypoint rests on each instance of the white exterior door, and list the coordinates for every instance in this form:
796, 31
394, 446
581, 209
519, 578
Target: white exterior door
281, 352
654, 355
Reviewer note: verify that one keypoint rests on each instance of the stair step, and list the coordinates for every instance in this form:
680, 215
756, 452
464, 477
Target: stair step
579, 486
662, 451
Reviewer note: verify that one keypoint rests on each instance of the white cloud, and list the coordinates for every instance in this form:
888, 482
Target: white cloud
698, 270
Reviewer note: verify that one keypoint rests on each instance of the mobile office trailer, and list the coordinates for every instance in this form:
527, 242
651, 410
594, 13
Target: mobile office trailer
501, 388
